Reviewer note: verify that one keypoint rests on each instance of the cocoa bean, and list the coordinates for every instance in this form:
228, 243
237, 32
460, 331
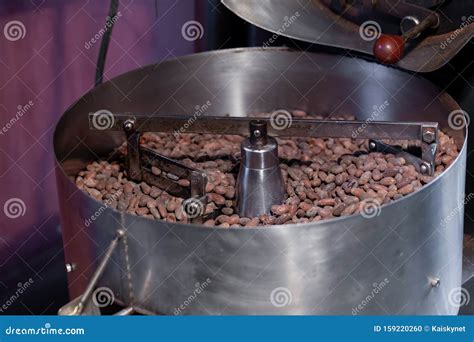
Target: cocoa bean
280, 209
326, 201
324, 177
407, 189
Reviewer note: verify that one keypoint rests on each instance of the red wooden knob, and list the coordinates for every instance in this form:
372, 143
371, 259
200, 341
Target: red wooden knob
389, 48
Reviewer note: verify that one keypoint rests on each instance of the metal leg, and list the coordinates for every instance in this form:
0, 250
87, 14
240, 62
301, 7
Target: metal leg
76, 307
125, 312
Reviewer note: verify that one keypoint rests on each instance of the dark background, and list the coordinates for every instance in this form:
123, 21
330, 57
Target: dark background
52, 68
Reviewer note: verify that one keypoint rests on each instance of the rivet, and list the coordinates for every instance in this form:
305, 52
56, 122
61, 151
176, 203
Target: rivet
424, 168
435, 282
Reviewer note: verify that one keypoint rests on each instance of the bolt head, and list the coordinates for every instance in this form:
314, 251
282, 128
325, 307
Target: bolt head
429, 136
128, 125
372, 145
424, 168
257, 133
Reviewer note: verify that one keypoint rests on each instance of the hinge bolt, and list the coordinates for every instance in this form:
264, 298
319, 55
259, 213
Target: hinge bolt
429, 135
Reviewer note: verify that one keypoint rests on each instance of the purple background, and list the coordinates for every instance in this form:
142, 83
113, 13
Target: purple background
52, 68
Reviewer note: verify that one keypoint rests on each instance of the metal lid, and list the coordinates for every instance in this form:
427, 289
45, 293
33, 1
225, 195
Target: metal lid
423, 35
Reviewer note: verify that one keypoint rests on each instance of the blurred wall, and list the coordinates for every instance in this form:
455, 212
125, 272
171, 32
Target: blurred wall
47, 61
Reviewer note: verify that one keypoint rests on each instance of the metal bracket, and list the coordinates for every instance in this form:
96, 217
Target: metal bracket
425, 164
140, 161
419, 164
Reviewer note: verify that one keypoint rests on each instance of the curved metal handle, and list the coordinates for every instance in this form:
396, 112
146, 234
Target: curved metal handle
390, 48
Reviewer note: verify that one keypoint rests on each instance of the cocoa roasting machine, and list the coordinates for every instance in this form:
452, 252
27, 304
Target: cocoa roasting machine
328, 267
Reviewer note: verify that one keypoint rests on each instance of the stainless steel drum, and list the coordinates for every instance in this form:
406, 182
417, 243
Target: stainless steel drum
406, 260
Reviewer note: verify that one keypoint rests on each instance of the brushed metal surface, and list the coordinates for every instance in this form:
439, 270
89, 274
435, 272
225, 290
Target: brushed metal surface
324, 268
260, 181
312, 21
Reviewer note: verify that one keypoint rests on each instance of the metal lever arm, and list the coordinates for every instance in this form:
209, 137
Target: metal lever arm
293, 127
425, 132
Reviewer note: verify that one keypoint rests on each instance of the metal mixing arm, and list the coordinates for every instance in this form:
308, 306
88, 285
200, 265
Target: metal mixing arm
258, 151
133, 124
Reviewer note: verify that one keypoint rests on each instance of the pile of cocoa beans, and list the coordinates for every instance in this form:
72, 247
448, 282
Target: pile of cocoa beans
325, 178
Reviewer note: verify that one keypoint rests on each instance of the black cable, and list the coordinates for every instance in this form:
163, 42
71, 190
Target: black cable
104, 45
